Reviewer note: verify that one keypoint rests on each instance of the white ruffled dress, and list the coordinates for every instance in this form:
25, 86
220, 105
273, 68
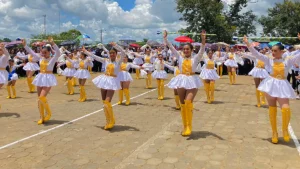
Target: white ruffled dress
124, 75
159, 72
277, 87
183, 80
3, 63
231, 62
82, 72
44, 79
258, 72
31, 65
209, 74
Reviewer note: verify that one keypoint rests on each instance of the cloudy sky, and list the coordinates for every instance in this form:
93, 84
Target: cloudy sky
120, 19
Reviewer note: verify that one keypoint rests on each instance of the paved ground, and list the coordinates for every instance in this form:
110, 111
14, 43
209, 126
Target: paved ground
232, 133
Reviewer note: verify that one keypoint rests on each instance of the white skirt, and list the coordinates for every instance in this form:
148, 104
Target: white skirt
31, 66
14, 77
82, 74
69, 72
184, 81
209, 74
3, 76
44, 80
161, 74
107, 82
124, 76
148, 67
137, 61
231, 63
259, 73
277, 88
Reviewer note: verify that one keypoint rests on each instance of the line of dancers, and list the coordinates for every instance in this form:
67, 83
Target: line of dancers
269, 74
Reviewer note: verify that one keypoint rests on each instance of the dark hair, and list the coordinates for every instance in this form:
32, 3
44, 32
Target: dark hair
82, 53
159, 55
11, 60
210, 50
190, 45
280, 46
176, 63
48, 48
114, 50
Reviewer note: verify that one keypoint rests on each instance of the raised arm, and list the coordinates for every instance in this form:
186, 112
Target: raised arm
29, 50
255, 53
171, 47
134, 66
57, 54
97, 58
199, 55
6, 54
120, 49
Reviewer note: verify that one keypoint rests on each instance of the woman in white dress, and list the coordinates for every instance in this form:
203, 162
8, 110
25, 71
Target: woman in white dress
276, 86
259, 73
160, 75
82, 74
4, 57
209, 75
148, 57
232, 65
69, 71
45, 79
12, 79
220, 57
108, 82
138, 62
125, 79
187, 82
30, 67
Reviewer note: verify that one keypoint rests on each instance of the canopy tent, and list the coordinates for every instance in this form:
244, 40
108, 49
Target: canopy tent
183, 39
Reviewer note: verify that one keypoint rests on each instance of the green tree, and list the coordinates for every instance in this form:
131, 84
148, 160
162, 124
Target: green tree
6, 40
210, 16
283, 20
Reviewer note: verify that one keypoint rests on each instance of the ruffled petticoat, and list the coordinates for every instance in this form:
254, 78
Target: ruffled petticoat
148, 67
69, 72
231, 63
277, 88
3, 76
44, 80
259, 73
82, 74
13, 77
107, 82
209, 74
31, 66
124, 76
137, 61
161, 74
184, 81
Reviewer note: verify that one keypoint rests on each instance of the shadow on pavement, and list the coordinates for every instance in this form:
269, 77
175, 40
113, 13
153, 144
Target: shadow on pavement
196, 135
17, 115
118, 128
54, 122
282, 142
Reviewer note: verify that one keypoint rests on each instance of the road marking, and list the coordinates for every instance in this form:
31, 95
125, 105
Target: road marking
294, 137
64, 124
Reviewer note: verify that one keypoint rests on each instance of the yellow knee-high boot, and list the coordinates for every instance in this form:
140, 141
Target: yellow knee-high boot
42, 112
263, 98
32, 87
184, 119
258, 97
106, 113
221, 70
150, 80
177, 101
44, 101
218, 70
147, 82
83, 93
137, 73
127, 96
74, 82
233, 77
69, 86
158, 89
189, 113
14, 95
29, 85
162, 89
111, 115
273, 121
206, 88
212, 91
8, 92
120, 96
286, 116
230, 77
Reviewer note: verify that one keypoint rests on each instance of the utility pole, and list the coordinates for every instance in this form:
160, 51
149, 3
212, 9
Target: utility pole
59, 22
101, 30
45, 31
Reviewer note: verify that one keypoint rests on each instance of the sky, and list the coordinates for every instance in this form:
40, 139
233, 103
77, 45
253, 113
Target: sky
120, 19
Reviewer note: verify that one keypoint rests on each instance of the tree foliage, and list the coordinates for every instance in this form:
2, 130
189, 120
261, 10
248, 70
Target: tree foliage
283, 20
58, 38
211, 16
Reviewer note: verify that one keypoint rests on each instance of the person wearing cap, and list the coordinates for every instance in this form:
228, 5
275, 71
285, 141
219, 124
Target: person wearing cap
45, 80
276, 86
12, 79
4, 57
187, 82
108, 82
